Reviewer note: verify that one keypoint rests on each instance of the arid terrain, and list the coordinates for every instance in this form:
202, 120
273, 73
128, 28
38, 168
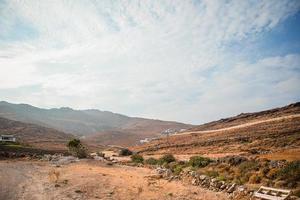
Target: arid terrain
264, 133
90, 180
100, 127
226, 159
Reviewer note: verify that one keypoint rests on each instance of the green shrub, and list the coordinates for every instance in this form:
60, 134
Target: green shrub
168, 158
212, 173
76, 148
136, 158
151, 161
290, 173
125, 152
178, 169
222, 178
248, 166
198, 161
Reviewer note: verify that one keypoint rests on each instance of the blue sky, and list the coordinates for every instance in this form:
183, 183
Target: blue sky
189, 61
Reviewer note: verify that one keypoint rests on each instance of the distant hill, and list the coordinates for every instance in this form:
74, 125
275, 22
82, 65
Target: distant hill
35, 135
249, 117
101, 126
271, 133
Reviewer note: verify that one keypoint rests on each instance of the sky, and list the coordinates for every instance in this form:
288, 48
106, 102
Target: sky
188, 61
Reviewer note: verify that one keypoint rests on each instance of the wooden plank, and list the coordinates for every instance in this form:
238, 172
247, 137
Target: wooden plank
272, 193
275, 189
269, 197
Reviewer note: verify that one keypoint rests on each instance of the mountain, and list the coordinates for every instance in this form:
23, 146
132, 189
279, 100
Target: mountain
35, 135
101, 126
271, 132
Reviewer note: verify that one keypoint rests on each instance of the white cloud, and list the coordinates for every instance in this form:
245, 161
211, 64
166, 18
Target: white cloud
145, 58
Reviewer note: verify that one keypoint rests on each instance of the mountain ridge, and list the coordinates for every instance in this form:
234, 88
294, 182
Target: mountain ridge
89, 122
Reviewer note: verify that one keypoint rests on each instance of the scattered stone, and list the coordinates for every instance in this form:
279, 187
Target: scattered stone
202, 177
231, 188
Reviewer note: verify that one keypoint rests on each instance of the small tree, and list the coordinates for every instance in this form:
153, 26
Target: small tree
168, 158
125, 152
76, 148
198, 161
136, 158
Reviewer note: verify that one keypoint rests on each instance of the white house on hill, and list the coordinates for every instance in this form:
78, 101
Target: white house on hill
7, 138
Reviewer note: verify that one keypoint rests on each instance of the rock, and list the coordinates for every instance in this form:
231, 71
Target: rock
213, 180
231, 188
99, 158
218, 184
202, 177
294, 198
241, 188
109, 163
195, 181
223, 187
193, 173
154, 176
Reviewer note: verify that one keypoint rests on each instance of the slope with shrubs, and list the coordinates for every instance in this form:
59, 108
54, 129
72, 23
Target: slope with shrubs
252, 172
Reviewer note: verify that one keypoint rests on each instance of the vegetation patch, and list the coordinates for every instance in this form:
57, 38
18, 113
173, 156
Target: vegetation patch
125, 152
136, 158
198, 161
76, 148
151, 161
166, 159
290, 173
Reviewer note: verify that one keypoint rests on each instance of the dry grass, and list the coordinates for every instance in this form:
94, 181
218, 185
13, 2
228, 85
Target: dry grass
54, 176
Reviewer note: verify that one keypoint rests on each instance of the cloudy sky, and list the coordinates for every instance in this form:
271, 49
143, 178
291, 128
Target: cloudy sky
190, 61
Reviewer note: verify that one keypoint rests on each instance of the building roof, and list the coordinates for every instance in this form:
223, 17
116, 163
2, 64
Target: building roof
6, 135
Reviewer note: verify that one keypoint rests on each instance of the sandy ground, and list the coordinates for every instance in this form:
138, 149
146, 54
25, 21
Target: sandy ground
91, 180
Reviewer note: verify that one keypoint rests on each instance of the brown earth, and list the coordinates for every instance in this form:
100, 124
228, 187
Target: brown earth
91, 180
246, 118
134, 131
100, 127
270, 133
35, 135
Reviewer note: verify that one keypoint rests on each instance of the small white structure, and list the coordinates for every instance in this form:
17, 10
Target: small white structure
7, 138
272, 193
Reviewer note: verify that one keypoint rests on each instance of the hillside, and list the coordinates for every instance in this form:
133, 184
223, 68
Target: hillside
268, 132
101, 126
35, 135
244, 118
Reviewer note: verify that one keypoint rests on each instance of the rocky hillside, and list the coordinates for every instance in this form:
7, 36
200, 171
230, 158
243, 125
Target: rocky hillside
34, 135
244, 118
269, 133
101, 126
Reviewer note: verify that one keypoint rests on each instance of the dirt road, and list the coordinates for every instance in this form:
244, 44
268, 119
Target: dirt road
91, 180
241, 125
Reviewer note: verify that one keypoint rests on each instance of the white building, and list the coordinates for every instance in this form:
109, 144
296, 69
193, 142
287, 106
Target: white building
7, 138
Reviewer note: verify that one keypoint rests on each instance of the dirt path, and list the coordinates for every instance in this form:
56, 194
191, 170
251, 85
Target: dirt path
241, 125
91, 180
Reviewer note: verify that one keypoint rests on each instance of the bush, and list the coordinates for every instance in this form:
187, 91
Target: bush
151, 161
254, 179
212, 173
125, 152
248, 166
178, 169
76, 148
198, 161
136, 158
168, 158
290, 173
